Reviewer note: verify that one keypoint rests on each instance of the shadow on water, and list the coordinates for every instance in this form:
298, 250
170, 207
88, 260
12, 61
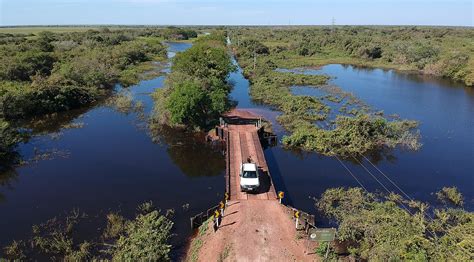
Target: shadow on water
190, 152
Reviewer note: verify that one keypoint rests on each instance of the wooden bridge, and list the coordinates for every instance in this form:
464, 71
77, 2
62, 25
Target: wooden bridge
241, 131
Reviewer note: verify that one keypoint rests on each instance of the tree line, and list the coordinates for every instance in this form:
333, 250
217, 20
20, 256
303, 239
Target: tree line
440, 51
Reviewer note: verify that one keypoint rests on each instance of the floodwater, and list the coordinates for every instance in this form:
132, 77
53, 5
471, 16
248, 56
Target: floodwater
113, 163
445, 112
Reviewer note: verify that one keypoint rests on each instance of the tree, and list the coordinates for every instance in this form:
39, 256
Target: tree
187, 104
197, 89
203, 61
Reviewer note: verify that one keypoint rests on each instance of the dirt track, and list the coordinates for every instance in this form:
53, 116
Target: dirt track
254, 230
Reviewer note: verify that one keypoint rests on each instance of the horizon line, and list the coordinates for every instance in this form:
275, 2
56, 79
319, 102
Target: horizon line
229, 25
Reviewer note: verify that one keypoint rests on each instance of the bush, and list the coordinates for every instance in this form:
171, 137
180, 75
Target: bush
145, 239
381, 230
58, 72
353, 135
25, 65
371, 52
450, 194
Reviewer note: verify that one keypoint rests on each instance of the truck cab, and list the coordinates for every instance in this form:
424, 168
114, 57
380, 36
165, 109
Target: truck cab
249, 177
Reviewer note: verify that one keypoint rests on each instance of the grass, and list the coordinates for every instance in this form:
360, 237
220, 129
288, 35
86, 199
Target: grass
225, 253
196, 244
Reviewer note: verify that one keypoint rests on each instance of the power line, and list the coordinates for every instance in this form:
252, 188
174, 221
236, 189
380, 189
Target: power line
393, 183
401, 203
368, 171
350, 172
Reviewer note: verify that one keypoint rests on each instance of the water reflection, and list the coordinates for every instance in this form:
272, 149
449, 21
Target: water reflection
7, 178
190, 152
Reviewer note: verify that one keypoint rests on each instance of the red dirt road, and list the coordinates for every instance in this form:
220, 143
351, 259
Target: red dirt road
254, 230
255, 227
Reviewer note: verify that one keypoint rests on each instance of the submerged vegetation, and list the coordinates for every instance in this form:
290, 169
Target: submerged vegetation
144, 238
451, 195
196, 91
392, 228
354, 135
356, 132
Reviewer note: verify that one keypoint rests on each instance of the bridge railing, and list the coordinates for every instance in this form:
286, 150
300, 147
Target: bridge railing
227, 159
305, 221
198, 219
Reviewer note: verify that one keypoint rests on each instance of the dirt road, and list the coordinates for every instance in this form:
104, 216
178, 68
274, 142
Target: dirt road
253, 230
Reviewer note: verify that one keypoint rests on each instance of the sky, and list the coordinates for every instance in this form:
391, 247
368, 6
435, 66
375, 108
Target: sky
237, 12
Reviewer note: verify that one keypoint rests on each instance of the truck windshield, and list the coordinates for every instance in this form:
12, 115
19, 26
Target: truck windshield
249, 174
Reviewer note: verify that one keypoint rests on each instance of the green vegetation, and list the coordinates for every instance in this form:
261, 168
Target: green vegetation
439, 51
382, 229
9, 138
348, 135
144, 238
196, 91
450, 194
197, 242
354, 135
58, 72
46, 72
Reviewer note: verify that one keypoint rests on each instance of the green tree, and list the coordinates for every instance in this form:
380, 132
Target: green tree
187, 104
204, 61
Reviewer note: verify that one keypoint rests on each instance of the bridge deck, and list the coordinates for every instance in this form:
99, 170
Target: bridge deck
244, 142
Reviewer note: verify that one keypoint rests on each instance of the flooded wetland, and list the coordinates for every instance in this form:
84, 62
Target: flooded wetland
106, 158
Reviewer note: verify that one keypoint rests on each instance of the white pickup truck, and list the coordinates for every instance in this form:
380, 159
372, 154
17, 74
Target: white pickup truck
249, 178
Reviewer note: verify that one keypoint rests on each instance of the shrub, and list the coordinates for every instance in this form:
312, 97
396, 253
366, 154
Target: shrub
145, 239
450, 194
381, 230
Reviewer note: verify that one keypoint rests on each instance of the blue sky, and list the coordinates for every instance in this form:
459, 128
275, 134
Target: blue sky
233, 12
